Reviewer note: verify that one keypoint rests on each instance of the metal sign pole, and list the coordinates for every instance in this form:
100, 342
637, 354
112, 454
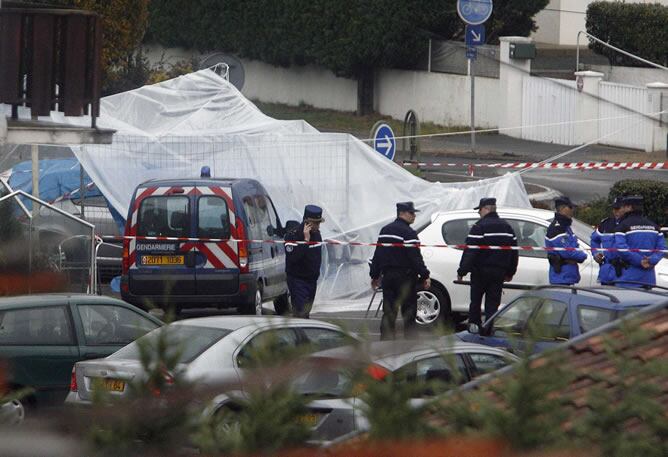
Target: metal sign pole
472, 64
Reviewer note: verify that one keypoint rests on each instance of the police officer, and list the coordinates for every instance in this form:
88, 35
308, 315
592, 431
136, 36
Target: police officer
488, 268
302, 260
563, 264
635, 231
401, 268
604, 237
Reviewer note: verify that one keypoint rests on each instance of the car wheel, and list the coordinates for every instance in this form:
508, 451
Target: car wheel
282, 304
12, 412
432, 306
226, 421
255, 307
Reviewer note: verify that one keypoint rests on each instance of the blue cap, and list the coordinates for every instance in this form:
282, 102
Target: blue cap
486, 202
313, 213
633, 200
205, 172
618, 202
563, 201
407, 207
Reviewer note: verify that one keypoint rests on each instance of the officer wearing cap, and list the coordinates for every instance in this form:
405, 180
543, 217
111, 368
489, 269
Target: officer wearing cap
488, 268
563, 264
302, 260
401, 268
635, 231
604, 237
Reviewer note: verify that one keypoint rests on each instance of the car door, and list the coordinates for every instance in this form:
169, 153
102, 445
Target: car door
550, 324
217, 264
265, 347
279, 278
432, 374
274, 268
108, 327
506, 329
164, 267
532, 268
40, 346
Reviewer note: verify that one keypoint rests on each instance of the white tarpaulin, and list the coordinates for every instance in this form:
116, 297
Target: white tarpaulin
172, 129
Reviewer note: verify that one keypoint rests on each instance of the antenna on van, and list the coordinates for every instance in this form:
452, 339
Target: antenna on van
205, 172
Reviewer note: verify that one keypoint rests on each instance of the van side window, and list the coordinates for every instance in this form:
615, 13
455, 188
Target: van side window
253, 226
264, 218
213, 217
273, 216
164, 216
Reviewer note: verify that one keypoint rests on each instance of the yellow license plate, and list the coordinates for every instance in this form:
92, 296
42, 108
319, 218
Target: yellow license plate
113, 385
309, 420
162, 260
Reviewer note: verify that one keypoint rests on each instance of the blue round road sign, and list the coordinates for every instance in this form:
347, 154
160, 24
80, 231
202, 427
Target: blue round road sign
474, 12
384, 141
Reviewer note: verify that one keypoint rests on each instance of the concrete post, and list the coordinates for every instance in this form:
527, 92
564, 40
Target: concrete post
511, 75
587, 106
657, 102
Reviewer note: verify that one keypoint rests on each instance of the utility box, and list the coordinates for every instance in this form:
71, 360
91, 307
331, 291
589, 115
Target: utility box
522, 51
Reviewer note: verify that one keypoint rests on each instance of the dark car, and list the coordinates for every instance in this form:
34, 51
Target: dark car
168, 260
42, 336
559, 313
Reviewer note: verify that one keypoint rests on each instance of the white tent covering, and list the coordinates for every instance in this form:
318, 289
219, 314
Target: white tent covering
174, 128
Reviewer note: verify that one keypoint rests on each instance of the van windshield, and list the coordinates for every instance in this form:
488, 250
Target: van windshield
164, 216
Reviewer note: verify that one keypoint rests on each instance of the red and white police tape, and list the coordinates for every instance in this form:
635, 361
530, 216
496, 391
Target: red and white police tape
549, 165
359, 243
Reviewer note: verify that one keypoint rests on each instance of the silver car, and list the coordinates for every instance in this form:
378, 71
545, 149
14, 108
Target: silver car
332, 378
212, 351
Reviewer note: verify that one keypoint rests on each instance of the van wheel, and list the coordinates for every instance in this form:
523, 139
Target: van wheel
282, 304
254, 308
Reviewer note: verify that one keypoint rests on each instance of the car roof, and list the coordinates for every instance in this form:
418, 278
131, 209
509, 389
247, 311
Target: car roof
223, 182
394, 354
502, 210
237, 322
626, 297
54, 299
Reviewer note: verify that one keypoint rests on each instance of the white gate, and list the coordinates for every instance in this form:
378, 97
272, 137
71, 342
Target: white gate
621, 102
549, 103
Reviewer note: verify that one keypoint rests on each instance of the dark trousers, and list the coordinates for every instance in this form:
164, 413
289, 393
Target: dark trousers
399, 292
487, 282
302, 294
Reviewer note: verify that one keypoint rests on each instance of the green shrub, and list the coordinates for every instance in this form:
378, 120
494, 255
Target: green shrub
655, 194
629, 27
594, 211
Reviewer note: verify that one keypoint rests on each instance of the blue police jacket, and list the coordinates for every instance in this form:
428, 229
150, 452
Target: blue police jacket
560, 235
303, 260
635, 231
408, 258
604, 237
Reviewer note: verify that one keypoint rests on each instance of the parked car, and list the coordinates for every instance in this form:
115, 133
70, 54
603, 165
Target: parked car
212, 351
558, 314
445, 299
195, 274
43, 336
338, 406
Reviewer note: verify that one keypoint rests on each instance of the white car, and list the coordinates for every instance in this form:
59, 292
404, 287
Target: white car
445, 299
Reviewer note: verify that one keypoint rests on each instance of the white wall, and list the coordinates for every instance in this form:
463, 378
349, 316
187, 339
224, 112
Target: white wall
311, 85
436, 97
547, 22
632, 75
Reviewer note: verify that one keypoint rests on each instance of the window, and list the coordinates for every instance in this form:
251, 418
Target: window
273, 217
433, 375
255, 232
591, 318
529, 234
455, 232
268, 346
109, 324
552, 320
164, 216
324, 338
514, 317
486, 363
185, 341
212, 217
36, 327
263, 216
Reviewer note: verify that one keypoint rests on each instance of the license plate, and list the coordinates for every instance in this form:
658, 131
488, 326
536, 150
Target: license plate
162, 260
309, 420
113, 385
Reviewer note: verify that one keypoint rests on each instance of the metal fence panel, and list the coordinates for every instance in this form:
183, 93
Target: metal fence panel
548, 101
620, 101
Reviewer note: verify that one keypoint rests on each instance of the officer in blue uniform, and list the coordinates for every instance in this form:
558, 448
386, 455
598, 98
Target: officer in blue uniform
563, 264
635, 231
604, 237
488, 268
302, 261
399, 269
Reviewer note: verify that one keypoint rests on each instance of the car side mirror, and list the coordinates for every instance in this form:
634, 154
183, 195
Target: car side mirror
270, 230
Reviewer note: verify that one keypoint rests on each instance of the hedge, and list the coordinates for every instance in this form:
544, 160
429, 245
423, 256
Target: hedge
641, 29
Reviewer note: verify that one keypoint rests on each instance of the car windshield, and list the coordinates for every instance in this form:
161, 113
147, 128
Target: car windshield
186, 341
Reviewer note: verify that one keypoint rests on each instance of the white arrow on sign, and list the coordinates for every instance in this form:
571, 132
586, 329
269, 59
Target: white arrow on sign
476, 37
387, 144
